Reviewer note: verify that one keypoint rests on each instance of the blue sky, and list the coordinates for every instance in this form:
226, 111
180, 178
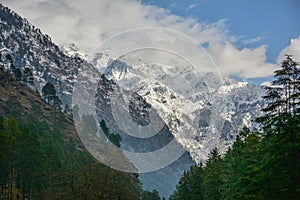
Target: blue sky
245, 38
270, 22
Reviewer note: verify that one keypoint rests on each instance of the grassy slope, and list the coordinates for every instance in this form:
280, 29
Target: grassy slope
14, 93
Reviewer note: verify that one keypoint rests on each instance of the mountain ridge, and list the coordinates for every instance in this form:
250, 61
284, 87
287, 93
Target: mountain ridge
227, 108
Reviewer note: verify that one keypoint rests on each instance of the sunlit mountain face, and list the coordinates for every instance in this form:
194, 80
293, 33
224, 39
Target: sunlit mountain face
216, 111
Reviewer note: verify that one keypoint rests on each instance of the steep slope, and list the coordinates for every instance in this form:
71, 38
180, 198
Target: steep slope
45, 153
216, 116
21, 101
30, 48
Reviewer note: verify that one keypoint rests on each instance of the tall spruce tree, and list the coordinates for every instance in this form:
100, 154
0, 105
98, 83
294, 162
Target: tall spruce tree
281, 126
283, 98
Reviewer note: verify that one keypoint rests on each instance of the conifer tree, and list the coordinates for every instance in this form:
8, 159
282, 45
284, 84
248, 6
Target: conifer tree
281, 125
283, 98
212, 176
48, 92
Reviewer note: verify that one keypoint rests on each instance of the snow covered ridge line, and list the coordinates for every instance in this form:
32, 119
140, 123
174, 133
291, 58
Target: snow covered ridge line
31, 49
237, 106
218, 116
73, 51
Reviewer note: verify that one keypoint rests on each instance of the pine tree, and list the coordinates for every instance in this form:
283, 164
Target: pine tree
154, 195
11, 129
212, 177
104, 128
17, 74
13, 69
112, 137
48, 92
283, 98
190, 185
281, 124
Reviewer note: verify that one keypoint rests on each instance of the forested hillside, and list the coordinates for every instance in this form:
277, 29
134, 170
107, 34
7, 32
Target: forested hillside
41, 156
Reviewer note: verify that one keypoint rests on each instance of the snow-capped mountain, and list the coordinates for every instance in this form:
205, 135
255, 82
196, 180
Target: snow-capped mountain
31, 49
199, 112
199, 117
73, 51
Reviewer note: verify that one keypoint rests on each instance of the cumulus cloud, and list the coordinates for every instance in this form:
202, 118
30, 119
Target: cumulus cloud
246, 63
87, 23
292, 49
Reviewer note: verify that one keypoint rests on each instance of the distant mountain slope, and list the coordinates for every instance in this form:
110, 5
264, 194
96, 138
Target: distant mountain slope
218, 116
30, 48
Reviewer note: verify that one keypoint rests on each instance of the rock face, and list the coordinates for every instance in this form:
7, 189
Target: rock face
215, 115
30, 48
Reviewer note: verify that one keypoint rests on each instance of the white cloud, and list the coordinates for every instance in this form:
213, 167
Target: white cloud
252, 40
292, 49
246, 63
87, 23
191, 6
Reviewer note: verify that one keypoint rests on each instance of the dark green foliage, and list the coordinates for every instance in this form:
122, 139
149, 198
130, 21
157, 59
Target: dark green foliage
9, 58
48, 92
260, 165
104, 127
40, 159
212, 177
49, 95
46, 169
154, 195
93, 182
9, 63
17, 74
283, 98
113, 138
190, 185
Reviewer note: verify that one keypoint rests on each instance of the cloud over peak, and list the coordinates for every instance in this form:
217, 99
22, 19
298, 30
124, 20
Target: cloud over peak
87, 23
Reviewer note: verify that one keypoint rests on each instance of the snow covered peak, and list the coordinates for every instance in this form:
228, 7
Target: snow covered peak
202, 112
228, 87
73, 51
116, 70
100, 61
